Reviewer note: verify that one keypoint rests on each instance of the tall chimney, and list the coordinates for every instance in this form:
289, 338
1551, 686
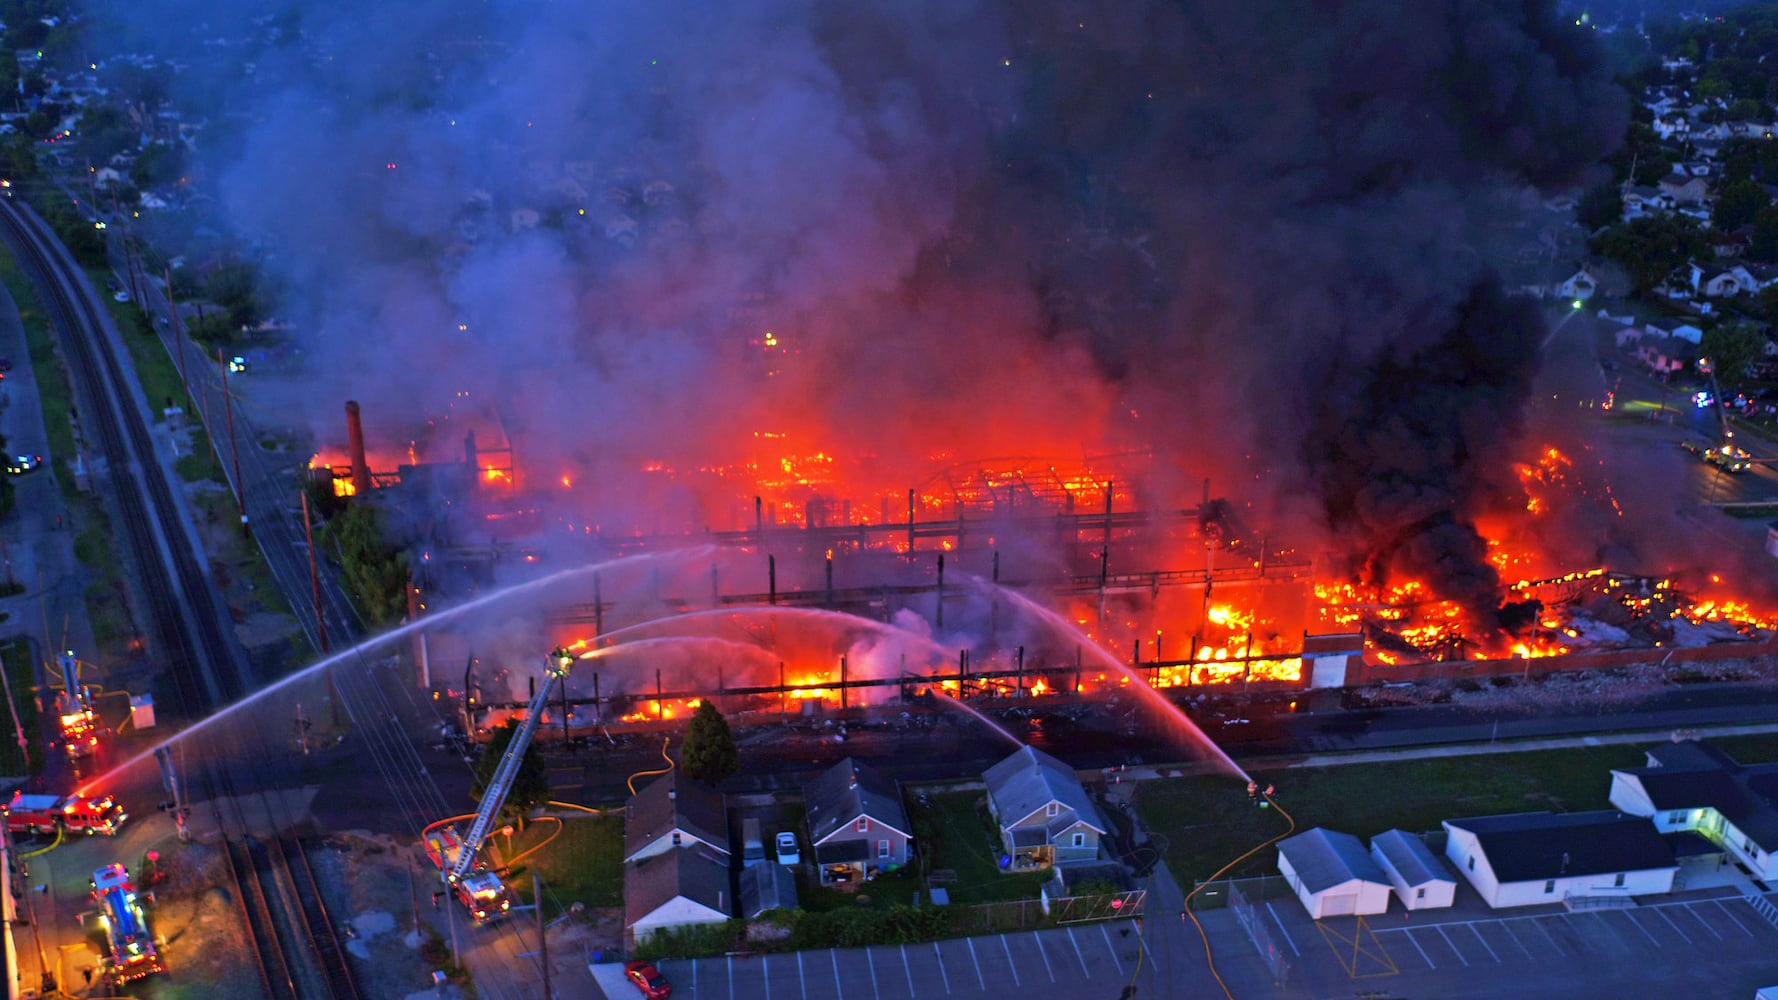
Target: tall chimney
355, 447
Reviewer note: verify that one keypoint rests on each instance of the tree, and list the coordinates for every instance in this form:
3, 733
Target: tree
235, 287
1651, 247
1738, 204
1732, 348
1600, 206
1765, 235
709, 753
530, 786
374, 570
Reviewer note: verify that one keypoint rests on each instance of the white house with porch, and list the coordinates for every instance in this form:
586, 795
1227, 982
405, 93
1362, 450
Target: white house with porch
1694, 787
1577, 859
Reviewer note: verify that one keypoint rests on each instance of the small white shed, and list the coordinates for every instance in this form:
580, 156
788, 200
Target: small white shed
1333, 874
1421, 880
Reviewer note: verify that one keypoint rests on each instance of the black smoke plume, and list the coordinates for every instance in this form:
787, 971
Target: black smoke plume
1253, 239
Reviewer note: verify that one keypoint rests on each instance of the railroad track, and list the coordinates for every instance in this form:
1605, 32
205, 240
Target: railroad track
283, 914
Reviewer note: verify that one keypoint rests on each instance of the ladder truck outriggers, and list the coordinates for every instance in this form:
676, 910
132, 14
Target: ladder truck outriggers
479, 889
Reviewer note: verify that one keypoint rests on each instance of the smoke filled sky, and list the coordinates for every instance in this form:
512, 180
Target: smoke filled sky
1251, 238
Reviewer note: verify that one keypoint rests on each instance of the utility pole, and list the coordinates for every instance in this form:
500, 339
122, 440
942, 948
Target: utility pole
178, 341
234, 450
24, 744
542, 932
314, 574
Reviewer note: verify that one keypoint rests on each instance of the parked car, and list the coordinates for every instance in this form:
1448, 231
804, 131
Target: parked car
787, 850
18, 465
649, 980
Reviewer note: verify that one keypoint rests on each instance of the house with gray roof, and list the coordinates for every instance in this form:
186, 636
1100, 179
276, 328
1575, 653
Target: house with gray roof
1043, 811
672, 812
1694, 787
677, 888
1333, 874
1575, 859
856, 821
1421, 879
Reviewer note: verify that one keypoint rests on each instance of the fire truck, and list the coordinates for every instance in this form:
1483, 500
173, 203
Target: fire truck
80, 724
73, 814
127, 935
481, 891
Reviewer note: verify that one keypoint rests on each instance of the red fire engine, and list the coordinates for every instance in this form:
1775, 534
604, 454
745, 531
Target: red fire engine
75, 813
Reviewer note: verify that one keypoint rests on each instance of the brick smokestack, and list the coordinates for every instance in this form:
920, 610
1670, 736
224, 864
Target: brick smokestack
355, 446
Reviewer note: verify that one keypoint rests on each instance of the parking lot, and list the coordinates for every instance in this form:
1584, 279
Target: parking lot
1053, 963
1703, 944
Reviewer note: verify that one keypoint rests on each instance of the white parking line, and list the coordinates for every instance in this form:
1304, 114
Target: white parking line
765, 973
1713, 931
838, 990
1546, 936
977, 961
731, 977
874, 991
1453, 944
1731, 916
804, 980
1009, 962
909, 970
1108, 947
1422, 951
1038, 940
1670, 923
1485, 944
1509, 933
1638, 924
1077, 954
941, 967
1282, 930
694, 976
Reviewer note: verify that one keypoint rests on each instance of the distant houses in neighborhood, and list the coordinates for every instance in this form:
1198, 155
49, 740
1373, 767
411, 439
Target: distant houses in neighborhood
1692, 811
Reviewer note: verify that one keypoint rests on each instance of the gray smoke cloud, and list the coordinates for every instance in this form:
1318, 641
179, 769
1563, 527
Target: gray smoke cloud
1248, 238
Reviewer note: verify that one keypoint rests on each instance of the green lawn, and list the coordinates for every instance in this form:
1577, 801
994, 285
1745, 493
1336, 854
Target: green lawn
956, 833
1208, 821
19, 674
585, 864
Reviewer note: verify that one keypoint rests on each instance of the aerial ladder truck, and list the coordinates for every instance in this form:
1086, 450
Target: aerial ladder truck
80, 724
1725, 454
478, 889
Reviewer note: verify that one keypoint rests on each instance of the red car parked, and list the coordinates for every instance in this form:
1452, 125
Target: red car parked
649, 980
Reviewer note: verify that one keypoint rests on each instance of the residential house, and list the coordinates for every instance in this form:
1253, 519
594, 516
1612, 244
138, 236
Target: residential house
1640, 199
681, 887
1665, 355
1578, 286
1524, 859
1695, 787
1333, 874
1421, 878
671, 812
856, 821
1684, 189
1043, 811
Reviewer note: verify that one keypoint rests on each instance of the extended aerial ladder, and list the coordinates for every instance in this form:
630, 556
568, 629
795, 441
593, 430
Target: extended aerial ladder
481, 891
80, 724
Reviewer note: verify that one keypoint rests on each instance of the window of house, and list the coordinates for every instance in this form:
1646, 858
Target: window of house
1472, 863
675, 838
863, 824
1619, 881
1420, 893
1549, 886
882, 849
1676, 817
1080, 840
1051, 809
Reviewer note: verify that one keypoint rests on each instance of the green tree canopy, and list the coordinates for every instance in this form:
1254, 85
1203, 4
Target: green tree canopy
1765, 235
374, 571
709, 753
530, 786
1732, 348
1738, 204
1602, 205
1651, 247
